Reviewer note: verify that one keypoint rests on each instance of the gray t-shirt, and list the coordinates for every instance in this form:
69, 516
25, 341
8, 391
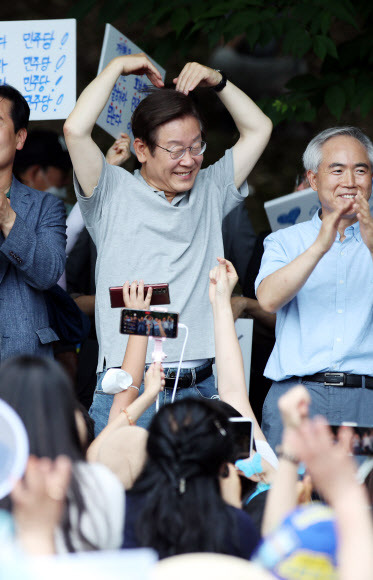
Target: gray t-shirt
140, 235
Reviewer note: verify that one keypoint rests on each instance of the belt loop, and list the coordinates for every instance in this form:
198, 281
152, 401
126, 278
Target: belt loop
363, 381
193, 371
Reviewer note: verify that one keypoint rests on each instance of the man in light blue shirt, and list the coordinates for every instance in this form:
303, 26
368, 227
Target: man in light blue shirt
318, 277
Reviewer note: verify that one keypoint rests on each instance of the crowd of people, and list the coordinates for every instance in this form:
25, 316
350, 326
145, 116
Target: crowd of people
152, 465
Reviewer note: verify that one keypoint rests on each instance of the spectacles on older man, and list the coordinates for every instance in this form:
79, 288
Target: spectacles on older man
179, 152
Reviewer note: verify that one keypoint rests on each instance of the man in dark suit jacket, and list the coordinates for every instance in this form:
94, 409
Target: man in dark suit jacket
32, 242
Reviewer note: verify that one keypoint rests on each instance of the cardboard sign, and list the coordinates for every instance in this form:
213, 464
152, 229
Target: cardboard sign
127, 92
38, 57
294, 208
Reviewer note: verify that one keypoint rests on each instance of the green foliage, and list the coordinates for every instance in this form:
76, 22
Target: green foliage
334, 37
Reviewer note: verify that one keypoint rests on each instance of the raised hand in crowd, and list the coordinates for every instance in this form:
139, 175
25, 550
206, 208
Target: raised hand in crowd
134, 358
120, 150
284, 493
228, 359
333, 472
111, 436
38, 503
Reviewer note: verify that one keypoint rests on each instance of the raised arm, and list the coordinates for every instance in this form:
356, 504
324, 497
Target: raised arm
154, 383
279, 288
85, 155
282, 498
228, 357
253, 125
333, 471
134, 357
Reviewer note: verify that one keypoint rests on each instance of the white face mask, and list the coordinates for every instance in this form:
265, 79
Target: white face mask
60, 192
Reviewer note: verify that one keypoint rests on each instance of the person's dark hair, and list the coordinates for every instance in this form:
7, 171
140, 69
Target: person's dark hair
183, 510
159, 107
45, 148
19, 111
41, 393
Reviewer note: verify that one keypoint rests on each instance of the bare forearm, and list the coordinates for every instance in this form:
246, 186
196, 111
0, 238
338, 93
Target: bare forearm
229, 364
86, 303
248, 117
355, 532
122, 401
252, 307
36, 543
254, 128
134, 407
134, 364
134, 358
279, 288
282, 497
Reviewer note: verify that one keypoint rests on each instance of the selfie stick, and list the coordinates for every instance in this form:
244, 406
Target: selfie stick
181, 360
158, 355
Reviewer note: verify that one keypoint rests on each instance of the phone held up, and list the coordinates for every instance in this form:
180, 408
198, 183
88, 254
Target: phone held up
149, 323
242, 432
361, 442
160, 295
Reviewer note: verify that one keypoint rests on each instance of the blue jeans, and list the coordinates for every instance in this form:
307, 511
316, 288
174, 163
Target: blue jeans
102, 402
336, 404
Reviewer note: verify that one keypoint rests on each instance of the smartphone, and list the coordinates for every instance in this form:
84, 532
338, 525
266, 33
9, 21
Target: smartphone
242, 431
361, 438
160, 295
149, 323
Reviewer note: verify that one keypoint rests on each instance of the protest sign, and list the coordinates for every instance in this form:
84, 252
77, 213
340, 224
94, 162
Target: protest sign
127, 92
294, 208
38, 57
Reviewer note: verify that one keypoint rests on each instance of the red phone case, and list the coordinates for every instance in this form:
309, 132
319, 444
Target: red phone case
161, 295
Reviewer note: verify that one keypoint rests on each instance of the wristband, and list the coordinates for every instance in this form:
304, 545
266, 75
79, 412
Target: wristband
220, 86
130, 420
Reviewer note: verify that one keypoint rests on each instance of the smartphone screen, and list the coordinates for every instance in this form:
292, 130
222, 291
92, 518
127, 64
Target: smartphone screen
359, 438
149, 323
242, 431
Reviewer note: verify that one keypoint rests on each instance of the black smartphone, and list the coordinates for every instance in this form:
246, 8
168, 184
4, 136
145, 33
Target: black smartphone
361, 442
160, 295
242, 431
149, 323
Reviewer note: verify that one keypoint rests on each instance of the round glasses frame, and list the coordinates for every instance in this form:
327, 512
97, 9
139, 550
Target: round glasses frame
179, 153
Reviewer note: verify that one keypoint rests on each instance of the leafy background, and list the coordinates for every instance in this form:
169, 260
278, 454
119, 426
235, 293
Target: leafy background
332, 39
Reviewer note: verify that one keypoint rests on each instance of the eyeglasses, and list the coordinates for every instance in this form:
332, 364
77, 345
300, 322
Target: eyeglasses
179, 152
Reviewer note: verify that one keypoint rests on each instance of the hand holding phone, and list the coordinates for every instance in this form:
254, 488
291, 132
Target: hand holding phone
242, 432
135, 296
160, 295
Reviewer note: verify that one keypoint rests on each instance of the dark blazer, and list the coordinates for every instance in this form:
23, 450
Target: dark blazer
32, 259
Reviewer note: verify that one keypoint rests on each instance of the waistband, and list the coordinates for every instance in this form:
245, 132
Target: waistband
335, 379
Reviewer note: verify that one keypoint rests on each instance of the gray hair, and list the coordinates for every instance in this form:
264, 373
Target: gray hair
312, 156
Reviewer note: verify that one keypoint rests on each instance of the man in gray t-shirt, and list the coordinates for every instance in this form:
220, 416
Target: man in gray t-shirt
163, 223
